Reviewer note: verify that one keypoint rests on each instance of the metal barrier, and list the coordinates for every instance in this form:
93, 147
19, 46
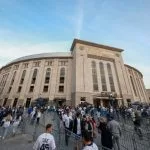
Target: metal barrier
128, 141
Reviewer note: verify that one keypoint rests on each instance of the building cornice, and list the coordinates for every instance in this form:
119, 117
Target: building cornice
76, 41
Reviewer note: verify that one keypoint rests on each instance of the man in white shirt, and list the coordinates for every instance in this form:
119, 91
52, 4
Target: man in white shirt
87, 140
46, 140
68, 127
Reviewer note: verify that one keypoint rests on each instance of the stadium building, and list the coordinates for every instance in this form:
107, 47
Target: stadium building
90, 72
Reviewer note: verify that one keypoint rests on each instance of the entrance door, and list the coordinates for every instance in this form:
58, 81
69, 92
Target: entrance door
97, 102
15, 102
28, 101
105, 103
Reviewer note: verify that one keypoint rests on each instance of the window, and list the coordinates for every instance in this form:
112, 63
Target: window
25, 65
9, 90
31, 89
19, 89
110, 76
103, 79
36, 64
61, 88
2, 81
61, 80
94, 75
23, 76
7, 69
15, 102
62, 75
28, 101
16, 67
63, 63
133, 86
13, 78
45, 89
34, 76
47, 76
48, 63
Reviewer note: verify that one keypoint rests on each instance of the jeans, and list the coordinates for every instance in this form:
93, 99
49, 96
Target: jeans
116, 142
4, 132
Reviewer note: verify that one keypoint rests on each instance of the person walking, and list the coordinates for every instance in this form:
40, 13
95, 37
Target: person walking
115, 130
38, 117
89, 126
106, 136
16, 123
46, 140
77, 125
7, 120
68, 127
88, 142
137, 125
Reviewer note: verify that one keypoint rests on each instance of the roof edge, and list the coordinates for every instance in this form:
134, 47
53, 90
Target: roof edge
75, 41
134, 69
33, 59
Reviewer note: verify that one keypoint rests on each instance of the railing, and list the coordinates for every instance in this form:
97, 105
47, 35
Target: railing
130, 140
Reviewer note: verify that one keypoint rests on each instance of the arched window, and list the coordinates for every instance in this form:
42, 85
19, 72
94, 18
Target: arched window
34, 76
13, 78
62, 75
23, 76
133, 86
103, 78
111, 80
47, 76
94, 75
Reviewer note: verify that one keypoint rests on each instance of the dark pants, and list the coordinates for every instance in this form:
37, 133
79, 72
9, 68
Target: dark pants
116, 142
38, 120
67, 135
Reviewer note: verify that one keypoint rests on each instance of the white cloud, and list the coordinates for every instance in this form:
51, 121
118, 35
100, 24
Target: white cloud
79, 18
12, 51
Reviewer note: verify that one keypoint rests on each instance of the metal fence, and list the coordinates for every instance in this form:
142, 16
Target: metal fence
130, 140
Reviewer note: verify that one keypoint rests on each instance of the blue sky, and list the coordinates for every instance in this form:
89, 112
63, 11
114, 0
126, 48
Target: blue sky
37, 26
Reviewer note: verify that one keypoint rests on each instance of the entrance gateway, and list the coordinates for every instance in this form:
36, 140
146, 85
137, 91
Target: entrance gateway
59, 102
105, 99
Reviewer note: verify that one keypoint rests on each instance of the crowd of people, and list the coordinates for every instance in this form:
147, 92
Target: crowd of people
10, 117
85, 122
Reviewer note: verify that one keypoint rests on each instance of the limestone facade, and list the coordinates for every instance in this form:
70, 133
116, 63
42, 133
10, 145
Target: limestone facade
90, 72
148, 94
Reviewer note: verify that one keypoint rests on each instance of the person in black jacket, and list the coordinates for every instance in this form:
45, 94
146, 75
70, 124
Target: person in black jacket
77, 125
83, 123
106, 136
